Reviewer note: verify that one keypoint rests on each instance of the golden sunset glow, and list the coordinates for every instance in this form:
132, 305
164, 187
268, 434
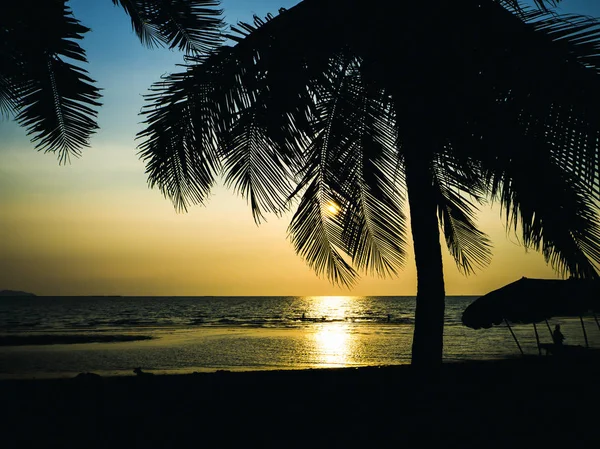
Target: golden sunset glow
94, 226
207, 211
332, 302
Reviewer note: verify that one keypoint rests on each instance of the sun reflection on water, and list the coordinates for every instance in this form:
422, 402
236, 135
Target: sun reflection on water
333, 344
333, 337
330, 307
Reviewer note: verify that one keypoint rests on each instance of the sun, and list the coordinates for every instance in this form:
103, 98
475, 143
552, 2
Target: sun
333, 208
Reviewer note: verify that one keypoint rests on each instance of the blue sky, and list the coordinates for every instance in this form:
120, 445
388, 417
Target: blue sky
94, 227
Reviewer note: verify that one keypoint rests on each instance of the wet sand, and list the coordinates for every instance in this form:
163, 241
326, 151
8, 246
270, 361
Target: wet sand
65, 339
538, 401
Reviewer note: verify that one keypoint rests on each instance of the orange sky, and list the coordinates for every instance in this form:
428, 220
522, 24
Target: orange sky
94, 227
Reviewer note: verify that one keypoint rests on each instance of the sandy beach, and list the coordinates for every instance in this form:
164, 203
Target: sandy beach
539, 401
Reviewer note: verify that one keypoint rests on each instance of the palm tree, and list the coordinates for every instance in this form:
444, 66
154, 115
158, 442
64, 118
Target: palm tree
349, 114
56, 100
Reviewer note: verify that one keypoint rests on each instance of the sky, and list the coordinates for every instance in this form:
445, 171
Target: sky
94, 227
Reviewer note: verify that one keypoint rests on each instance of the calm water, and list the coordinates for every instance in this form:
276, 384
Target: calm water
238, 333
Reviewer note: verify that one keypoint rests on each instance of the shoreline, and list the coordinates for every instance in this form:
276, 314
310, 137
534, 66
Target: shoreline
517, 362
538, 400
7, 340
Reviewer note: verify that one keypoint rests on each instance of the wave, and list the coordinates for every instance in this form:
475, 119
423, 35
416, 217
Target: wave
273, 321
294, 321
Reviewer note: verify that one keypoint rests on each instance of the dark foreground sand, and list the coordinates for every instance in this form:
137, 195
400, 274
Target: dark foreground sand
528, 402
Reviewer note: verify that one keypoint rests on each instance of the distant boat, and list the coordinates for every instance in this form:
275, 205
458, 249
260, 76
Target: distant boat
15, 293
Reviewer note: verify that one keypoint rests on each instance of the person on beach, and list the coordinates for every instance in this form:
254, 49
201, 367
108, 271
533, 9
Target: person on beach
557, 337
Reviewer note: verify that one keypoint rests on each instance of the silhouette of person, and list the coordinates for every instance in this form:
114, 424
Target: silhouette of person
557, 336
303, 315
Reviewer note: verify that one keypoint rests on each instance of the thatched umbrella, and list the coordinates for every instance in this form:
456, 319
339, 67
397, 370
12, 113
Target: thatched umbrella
530, 301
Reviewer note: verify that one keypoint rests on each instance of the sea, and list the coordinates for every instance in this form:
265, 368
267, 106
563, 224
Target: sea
53, 337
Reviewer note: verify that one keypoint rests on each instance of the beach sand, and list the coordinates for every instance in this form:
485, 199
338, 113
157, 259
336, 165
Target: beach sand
536, 401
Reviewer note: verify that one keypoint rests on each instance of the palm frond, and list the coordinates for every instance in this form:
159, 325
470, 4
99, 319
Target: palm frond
511, 100
193, 26
517, 5
263, 107
454, 180
9, 97
141, 22
315, 231
279, 82
254, 166
55, 109
236, 127
181, 149
352, 167
369, 181
53, 99
556, 217
568, 117
261, 144
541, 198
543, 4
520, 81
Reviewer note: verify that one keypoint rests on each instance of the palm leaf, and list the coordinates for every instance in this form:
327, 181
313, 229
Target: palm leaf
454, 180
54, 99
253, 165
193, 26
516, 5
367, 167
316, 232
522, 87
9, 97
141, 21
255, 143
555, 215
543, 199
54, 108
181, 150
278, 82
256, 130
235, 127
352, 167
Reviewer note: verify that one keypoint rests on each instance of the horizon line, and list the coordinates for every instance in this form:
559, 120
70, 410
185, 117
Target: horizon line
214, 296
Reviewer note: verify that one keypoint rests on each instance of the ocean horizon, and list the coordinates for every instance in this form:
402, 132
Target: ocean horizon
61, 336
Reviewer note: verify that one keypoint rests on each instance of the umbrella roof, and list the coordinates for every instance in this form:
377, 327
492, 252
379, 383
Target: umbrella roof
532, 301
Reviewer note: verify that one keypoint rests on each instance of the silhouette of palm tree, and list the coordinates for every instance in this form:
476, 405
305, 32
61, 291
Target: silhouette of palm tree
444, 106
57, 100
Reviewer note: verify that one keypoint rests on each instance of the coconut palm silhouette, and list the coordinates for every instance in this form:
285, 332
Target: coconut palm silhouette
436, 109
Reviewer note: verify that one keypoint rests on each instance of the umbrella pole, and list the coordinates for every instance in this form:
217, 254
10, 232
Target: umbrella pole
596, 318
550, 329
514, 336
587, 344
537, 339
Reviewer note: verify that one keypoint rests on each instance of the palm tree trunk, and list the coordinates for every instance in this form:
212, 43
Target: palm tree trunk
428, 338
